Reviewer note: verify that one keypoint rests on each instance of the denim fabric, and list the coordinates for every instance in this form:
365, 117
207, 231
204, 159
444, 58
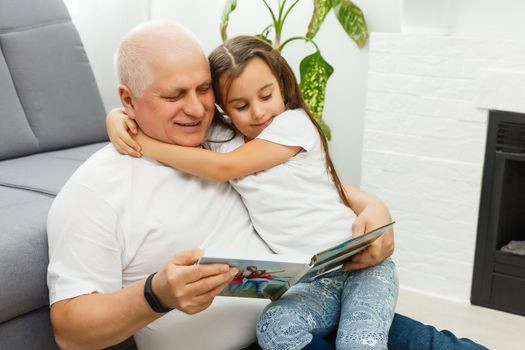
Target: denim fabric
409, 334
361, 302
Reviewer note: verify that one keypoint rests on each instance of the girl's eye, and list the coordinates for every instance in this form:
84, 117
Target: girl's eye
241, 108
266, 97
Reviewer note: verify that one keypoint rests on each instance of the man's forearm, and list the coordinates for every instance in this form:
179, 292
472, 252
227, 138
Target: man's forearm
101, 320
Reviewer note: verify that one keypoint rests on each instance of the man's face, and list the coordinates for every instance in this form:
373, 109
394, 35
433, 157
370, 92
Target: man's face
178, 106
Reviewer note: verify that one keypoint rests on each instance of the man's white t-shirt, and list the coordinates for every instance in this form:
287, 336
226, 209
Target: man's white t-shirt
119, 219
294, 206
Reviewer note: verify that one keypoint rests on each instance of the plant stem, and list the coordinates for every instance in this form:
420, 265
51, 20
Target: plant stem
298, 38
275, 21
288, 11
280, 23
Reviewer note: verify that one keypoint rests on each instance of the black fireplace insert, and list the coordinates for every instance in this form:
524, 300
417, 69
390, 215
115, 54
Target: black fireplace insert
499, 276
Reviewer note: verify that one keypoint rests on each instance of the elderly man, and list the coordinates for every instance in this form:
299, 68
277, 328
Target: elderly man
122, 230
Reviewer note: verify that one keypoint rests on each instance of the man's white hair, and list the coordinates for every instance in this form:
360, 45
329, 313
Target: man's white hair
132, 57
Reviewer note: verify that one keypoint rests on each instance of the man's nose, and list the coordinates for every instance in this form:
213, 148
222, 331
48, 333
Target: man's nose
194, 106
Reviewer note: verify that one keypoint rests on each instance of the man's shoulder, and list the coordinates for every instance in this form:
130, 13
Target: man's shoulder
100, 162
102, 170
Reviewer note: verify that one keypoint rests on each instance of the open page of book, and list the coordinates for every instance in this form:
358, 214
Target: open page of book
261, 278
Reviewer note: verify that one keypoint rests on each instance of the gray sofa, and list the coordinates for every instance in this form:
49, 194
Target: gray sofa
51, 120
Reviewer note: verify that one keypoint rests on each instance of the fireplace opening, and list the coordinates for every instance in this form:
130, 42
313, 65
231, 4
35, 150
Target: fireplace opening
511, 226
499, 275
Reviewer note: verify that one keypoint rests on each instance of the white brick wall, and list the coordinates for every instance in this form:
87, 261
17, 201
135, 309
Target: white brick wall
424, 144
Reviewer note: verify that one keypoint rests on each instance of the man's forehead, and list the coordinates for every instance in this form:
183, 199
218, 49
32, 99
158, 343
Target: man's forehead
183, 86
180, 73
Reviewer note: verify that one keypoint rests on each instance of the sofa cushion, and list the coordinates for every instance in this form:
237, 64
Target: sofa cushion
33, 331
28, 331
45, 172
50, 99
23, 251
16, 136
28, 13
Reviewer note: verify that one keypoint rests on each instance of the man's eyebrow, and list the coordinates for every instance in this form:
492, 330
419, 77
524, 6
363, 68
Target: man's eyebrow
207, 82
175, 91
240, 98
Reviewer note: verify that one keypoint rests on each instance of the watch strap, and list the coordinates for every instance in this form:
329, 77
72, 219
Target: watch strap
151, 298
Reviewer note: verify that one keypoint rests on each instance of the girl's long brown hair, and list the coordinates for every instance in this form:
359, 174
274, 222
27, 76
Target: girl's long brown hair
227, 62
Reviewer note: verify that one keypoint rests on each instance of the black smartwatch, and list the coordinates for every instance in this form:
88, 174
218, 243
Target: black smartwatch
152, 299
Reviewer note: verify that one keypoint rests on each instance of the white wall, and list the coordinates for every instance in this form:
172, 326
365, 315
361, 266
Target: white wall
424, 145
492, 19
101, 24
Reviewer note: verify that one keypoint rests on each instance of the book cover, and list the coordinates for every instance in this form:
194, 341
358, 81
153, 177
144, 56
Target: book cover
271, 275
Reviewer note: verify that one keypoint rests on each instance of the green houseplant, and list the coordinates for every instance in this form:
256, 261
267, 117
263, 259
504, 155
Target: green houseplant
314, 69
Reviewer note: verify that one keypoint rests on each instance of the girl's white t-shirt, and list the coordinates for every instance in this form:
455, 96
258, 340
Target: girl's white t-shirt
294, 206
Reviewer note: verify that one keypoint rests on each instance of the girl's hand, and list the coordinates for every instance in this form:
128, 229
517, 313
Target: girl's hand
374, 215
121, 129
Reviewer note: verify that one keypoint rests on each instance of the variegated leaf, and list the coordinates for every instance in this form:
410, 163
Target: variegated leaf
353, 21
315, 72
321, 9
225, 18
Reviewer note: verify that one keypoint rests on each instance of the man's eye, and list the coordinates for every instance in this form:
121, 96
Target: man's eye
172, 98
204, 89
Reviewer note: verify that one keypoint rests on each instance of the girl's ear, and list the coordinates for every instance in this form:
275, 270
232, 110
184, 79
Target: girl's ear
127, 100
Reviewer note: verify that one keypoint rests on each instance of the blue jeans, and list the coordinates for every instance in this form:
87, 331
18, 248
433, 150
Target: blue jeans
408, 334
361, 302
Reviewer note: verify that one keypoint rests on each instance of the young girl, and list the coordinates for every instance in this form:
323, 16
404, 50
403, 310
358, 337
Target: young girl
277, 160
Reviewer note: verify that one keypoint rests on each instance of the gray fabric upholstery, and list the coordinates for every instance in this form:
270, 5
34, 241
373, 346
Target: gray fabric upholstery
44, 172
52, 100
30, 13
51, 120
29, 331
16, 136
24, 310
33, 331
24, 256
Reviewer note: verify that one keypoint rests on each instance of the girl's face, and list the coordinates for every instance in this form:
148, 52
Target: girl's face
254, 99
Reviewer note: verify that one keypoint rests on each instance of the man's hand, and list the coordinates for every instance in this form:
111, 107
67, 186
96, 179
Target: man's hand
375, 214
188, 287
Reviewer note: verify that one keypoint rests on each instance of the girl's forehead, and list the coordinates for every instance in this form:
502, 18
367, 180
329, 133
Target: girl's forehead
255, 71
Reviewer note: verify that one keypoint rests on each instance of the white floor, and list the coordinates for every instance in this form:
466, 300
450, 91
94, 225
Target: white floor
494, 329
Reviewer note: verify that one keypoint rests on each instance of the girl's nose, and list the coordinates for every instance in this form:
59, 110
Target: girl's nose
257, 112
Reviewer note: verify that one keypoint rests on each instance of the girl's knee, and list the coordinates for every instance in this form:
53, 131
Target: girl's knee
282, 328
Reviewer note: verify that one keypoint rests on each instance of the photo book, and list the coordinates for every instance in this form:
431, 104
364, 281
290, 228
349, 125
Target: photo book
271, 275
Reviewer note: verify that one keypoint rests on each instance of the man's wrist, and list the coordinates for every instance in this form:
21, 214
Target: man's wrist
151, 298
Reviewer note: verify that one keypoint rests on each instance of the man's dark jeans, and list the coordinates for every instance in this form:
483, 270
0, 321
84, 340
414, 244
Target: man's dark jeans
409, 334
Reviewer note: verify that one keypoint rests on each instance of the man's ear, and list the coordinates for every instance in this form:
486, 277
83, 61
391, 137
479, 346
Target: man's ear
126, 98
